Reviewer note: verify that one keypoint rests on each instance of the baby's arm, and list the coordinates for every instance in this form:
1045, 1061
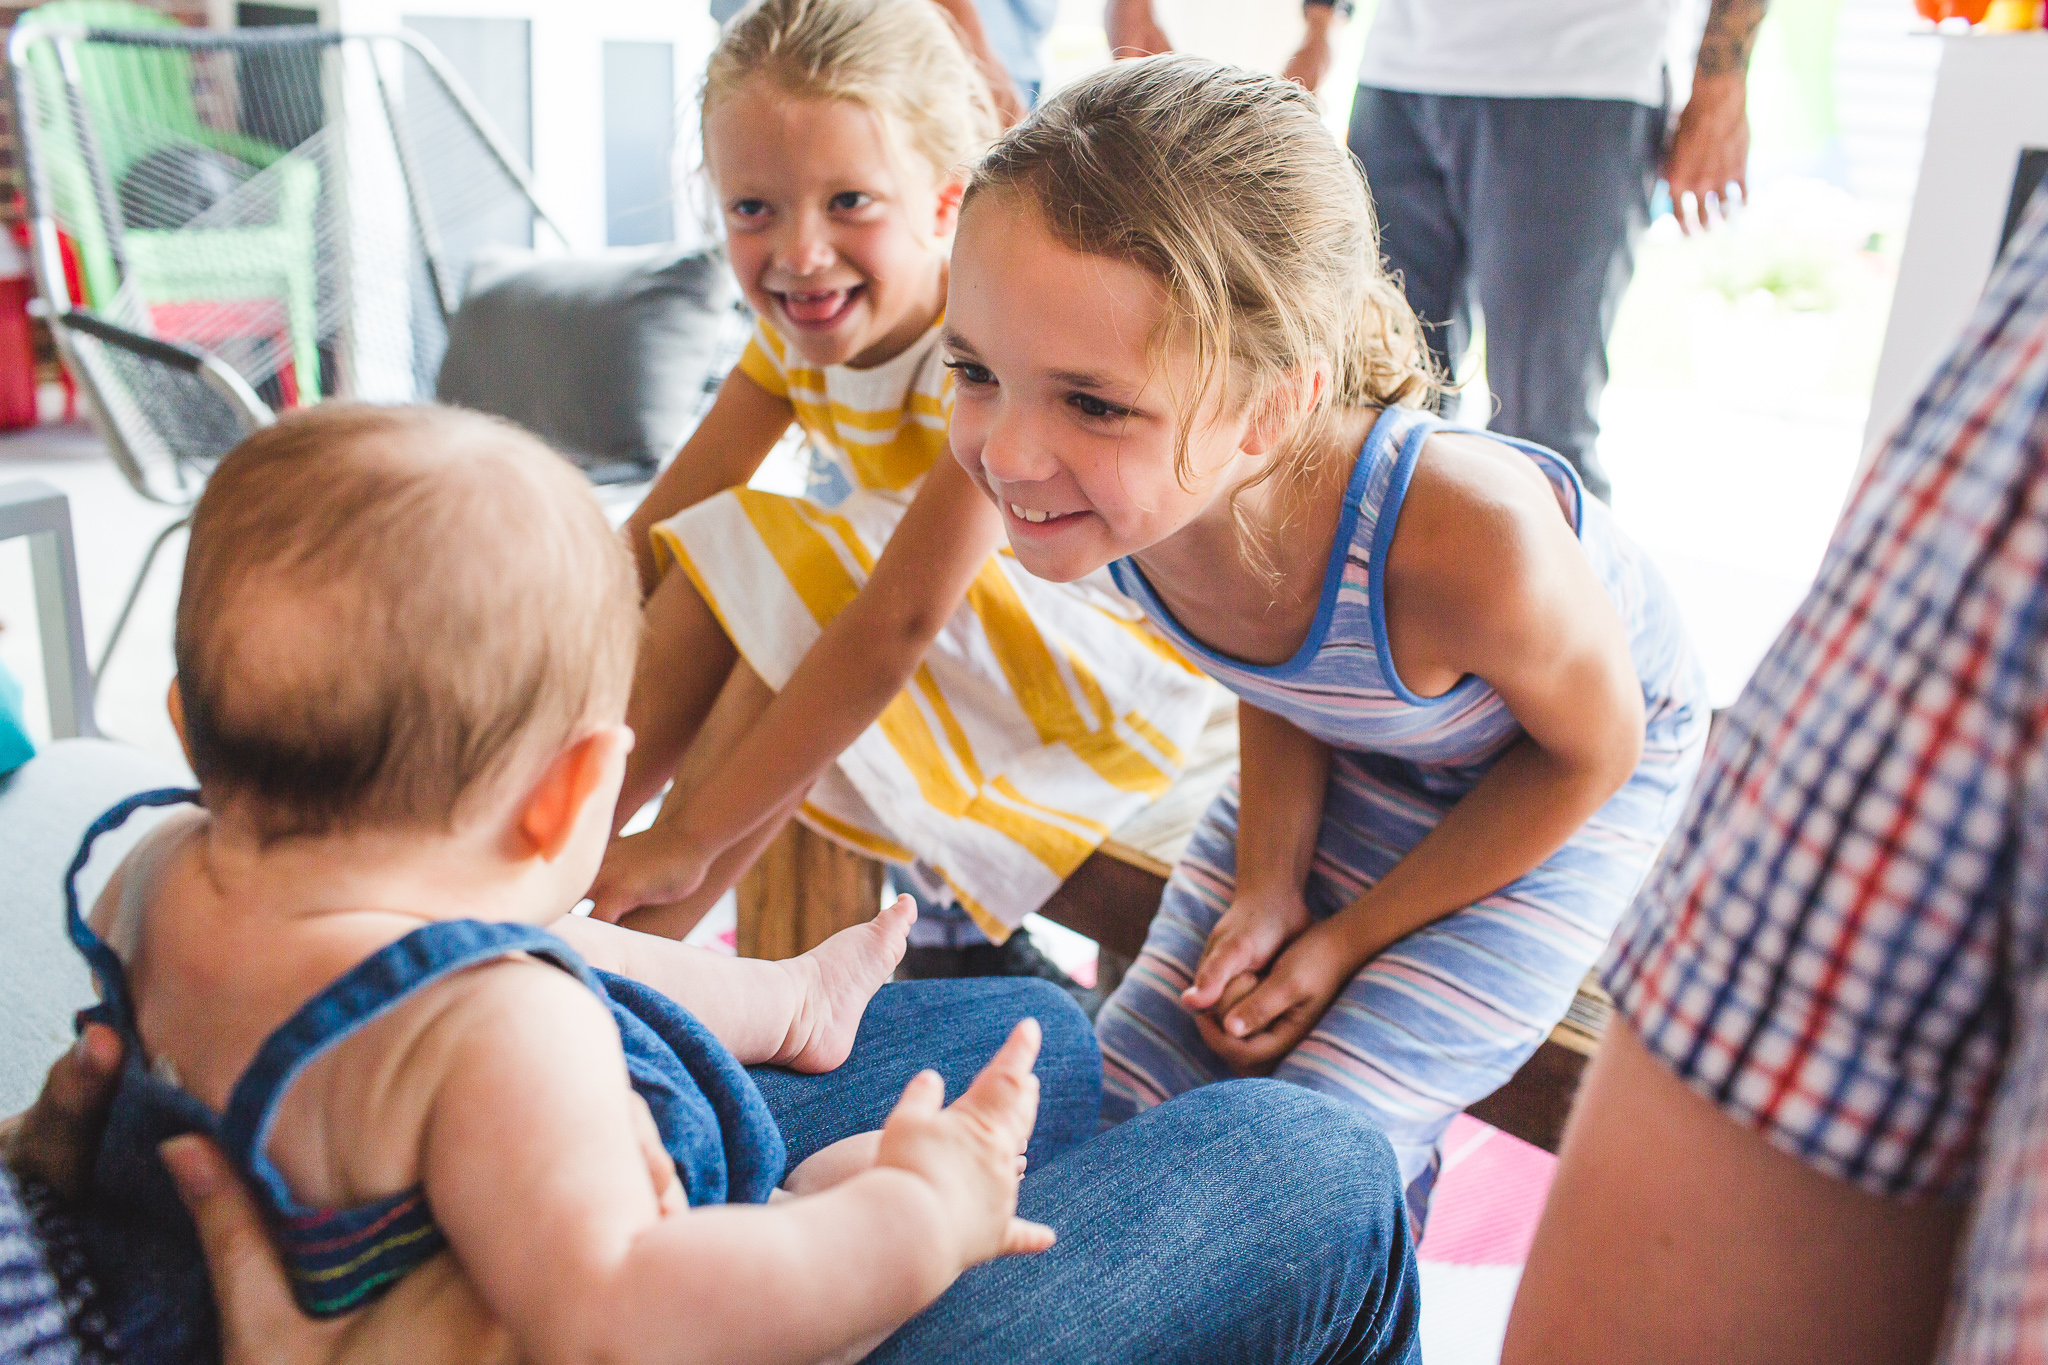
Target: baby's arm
535, 1175
801, 1013
743, 425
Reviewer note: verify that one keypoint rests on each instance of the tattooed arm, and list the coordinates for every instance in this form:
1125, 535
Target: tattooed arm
1710, 150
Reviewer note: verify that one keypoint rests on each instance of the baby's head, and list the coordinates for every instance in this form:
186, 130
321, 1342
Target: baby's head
837, 135
402, 620
1166, 287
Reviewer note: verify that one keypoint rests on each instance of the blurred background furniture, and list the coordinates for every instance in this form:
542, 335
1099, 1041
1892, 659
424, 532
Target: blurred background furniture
30, 509
45, 806
227, 223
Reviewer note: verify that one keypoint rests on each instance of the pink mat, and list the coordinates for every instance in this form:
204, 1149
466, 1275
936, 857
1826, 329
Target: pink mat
1488, 1198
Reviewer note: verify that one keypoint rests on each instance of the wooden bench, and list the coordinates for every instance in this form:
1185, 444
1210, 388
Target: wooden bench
805, 887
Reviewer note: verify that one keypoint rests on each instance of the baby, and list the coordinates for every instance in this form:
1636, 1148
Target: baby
404, 645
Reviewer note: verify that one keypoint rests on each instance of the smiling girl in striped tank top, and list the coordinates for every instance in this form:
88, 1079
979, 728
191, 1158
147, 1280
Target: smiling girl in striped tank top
1468, 711
863, 657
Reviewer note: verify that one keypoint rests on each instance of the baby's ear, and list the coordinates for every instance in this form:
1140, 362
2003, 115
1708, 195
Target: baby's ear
174, 702
587, 770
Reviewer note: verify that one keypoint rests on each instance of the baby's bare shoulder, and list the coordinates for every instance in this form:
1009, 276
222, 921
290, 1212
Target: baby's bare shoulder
511, 1003
504, 1018
352, 1125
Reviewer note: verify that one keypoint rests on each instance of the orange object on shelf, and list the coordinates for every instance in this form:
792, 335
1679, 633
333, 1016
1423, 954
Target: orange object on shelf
1938, 10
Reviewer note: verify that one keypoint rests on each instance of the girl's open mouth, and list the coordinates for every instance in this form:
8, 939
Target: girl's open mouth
1039, 519
821, 309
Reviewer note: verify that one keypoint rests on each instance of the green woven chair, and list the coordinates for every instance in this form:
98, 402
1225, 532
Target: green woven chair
140, 103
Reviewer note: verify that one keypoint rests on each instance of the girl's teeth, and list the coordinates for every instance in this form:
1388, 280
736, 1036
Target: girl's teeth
1027, 514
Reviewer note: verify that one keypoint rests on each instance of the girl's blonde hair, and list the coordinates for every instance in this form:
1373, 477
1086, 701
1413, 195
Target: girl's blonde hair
1225, 186
902, 58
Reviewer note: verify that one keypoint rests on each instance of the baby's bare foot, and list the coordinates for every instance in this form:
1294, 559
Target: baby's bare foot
835, 981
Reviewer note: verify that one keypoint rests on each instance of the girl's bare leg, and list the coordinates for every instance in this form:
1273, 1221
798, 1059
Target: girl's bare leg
685, 662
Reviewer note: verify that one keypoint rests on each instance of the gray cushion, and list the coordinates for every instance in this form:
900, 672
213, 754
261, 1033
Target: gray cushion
45, 806
603, 357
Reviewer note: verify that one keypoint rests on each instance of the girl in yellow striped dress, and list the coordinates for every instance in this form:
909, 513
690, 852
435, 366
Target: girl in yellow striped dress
863, 657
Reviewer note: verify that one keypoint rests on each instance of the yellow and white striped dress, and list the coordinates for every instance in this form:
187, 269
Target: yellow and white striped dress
1043, 716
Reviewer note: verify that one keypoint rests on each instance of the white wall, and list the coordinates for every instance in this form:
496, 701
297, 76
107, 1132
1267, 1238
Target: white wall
568, 74
1990, 100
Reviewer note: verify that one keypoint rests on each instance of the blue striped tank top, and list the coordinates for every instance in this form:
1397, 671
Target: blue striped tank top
1341, 686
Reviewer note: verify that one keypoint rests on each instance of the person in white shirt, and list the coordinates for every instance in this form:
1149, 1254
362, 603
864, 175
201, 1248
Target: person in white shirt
1513, 147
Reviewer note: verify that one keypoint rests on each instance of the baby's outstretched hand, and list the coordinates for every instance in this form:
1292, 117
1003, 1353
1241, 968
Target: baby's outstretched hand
836, 980
968, 1151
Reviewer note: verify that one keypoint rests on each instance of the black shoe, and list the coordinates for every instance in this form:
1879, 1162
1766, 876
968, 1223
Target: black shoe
1015, 956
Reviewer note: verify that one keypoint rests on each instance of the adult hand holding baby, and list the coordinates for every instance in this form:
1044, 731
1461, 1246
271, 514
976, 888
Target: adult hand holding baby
54, 1142
432, 1314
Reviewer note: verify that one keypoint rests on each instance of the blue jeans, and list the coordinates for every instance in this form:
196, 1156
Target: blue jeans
1525, 212
1246, 1220
952, 1027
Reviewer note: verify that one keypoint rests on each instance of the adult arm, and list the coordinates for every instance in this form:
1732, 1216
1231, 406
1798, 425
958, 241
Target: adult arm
1310, 64
1484, 577
1133, 31
1674, 1235
743, 425
1710, 149
1002, 87
858, 665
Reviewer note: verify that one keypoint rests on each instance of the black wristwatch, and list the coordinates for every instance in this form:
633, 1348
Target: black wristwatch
1343, 8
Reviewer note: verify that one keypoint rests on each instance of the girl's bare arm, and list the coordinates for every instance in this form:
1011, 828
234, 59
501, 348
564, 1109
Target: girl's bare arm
861, 661
1488, 577
1484, 578
1282, 773
743, 425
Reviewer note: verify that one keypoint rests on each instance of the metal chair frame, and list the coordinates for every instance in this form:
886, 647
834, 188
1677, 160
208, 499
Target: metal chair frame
31, 509
69, 320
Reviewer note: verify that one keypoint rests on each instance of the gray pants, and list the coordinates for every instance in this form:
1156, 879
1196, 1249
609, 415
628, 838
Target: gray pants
1527, 211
